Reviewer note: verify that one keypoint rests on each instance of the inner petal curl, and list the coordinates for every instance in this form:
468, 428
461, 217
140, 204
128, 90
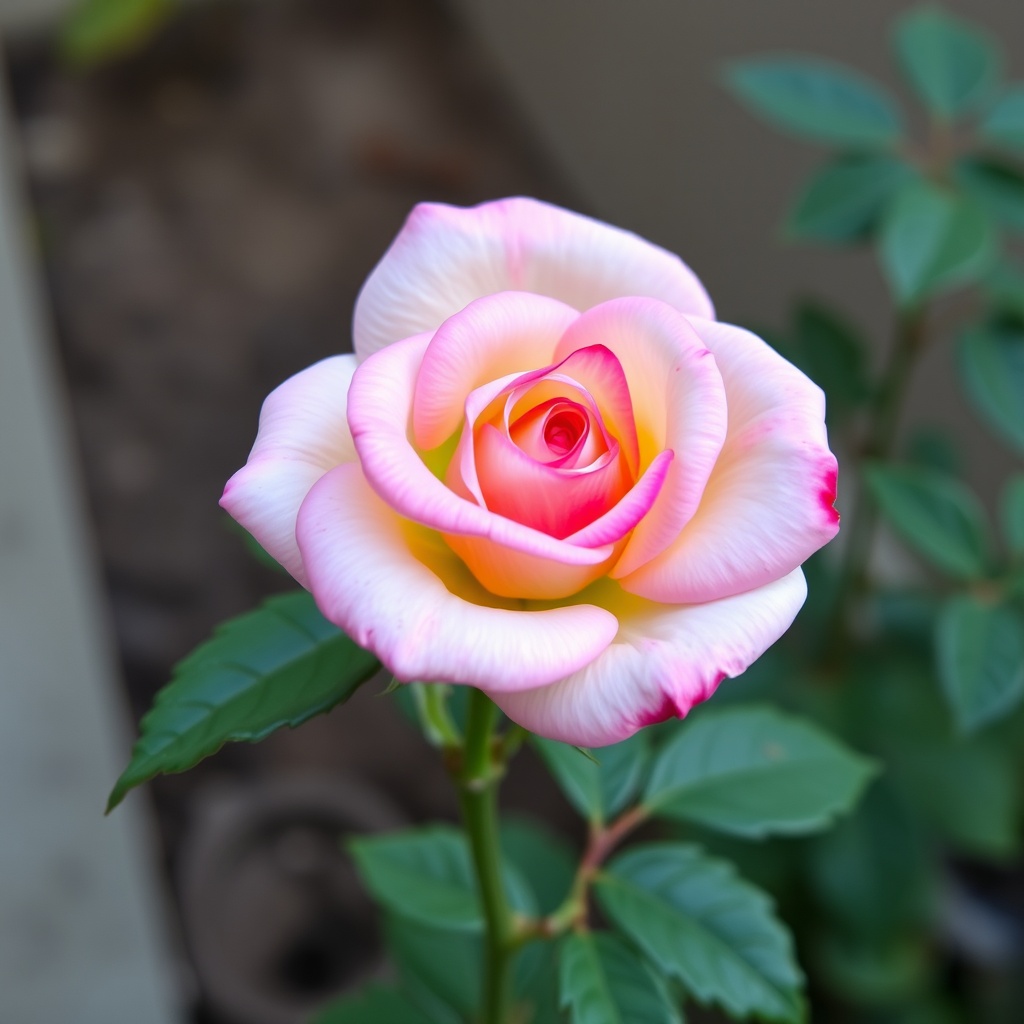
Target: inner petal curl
538, 450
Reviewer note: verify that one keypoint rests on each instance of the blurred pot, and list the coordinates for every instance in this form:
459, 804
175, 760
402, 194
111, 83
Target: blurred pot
273, 912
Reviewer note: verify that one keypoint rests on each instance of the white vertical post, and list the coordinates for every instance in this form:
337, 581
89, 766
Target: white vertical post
81, 937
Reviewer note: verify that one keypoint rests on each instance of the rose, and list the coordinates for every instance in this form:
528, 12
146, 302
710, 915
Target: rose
546, 472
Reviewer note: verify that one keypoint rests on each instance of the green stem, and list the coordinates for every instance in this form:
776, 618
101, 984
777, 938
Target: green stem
603, 841
432, 706
478, 793
879, 442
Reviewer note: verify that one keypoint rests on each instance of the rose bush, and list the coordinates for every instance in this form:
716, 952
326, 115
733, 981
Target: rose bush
547, 472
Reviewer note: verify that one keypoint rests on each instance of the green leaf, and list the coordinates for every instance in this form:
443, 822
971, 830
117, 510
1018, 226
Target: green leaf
874, 874
602, 981
99, 29
933, 239
537, 994
846, 198
934, 449
995, 185
874, 973
833, 355
544, 860
931, 1009
992, 362
1013, 515
696, 920
968, 790
980, 649
441, 970
935, 514
752, 771
950, 63
1005, 289
279, 665
376, 1004
599, 788
817, 99
1004, 122
427, 875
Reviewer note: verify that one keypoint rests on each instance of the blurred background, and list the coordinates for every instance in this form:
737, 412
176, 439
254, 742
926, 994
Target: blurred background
191, 202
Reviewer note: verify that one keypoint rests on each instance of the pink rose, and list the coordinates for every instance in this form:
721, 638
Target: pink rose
547, 471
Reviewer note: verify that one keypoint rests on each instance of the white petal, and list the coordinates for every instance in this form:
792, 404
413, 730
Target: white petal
395, 589
767, 506
303, 433
445, 256
664, 660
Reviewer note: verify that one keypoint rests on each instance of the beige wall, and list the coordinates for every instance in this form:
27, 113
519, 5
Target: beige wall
25, 14
624, 92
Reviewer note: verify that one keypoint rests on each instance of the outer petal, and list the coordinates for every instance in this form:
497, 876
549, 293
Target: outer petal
768, 504
445, 256
664, 660
380, 405
397, 591
303, 433
680, 403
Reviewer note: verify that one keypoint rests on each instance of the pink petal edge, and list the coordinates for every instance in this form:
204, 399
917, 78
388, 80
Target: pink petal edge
369, 579
767, 506
664, 660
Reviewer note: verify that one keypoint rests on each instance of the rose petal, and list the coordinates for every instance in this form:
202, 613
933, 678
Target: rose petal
596, 369
410, 601
489, 467
497, 335
616, 523
557, 501
513, 573
679, 401
303, 433
768, 504
575, 445
445, 257
664, 660
379, 411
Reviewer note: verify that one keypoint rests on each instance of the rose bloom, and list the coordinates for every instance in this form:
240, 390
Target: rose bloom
547, 472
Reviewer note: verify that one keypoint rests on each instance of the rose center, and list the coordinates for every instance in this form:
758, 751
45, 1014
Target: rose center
564, 428
537, 449
557, 431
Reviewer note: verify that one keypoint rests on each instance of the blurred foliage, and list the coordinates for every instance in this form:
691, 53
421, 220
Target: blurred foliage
96, 31
928, 679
